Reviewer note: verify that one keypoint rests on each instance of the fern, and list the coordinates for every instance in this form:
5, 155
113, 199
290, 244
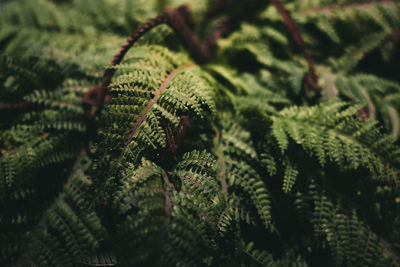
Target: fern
67, 231
375, 94
237, 157
145, 101
222, 133
337, 136
174, 222
290, 177
349, 240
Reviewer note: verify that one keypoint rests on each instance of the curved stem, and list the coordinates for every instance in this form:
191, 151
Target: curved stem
181, 21
97, 95
313, 80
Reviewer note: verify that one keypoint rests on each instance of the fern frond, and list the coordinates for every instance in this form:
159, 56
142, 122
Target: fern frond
174, 211
259, 258
99, 260
145, 100
350, 241
65, 231
238, 157
259, 99
57, 118
353, 54
381, 18
290, 176
374, 93
333, 131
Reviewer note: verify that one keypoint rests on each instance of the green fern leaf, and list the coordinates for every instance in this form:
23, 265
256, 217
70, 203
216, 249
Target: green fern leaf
337, 134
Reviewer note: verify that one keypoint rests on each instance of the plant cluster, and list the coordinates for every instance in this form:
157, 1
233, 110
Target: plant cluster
220, 133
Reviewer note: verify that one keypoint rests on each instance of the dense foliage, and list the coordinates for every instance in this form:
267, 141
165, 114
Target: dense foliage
222, 133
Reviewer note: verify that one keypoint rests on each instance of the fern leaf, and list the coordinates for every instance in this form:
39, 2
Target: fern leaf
175, 221
339, 133
349, 240
238, 157
290, 176
69, 229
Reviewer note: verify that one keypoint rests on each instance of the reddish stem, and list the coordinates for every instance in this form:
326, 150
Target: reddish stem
174, 143
97, 95
173, 147
181, 132
313, 80
16, 105
363, 114
394, 35
181, 21
177, 20
167, 192
143, 115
